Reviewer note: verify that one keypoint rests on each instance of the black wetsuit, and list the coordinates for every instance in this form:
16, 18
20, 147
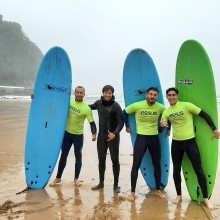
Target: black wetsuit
110, 119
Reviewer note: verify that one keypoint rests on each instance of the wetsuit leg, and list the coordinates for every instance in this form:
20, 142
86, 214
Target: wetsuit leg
114, 153
155, 151
140, 148
177, 151
102, 148
67, 143
78, 144
192, 151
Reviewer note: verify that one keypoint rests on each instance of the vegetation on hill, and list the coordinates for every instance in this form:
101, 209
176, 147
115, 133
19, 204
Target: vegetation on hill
19, 57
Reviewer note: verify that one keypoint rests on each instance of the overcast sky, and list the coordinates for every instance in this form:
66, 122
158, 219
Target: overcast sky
98, 34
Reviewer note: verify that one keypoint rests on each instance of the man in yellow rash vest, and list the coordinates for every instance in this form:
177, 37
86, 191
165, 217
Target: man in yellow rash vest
147, 113
78, 112
180, 114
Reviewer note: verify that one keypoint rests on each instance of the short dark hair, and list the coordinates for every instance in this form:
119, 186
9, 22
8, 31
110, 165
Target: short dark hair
154, 89
79, 87
108, 87
172, 89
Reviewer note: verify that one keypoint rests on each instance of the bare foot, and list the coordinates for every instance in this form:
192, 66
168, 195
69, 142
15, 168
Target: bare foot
158, 193
77, 183
177, 200
163, 191
131, 198
208, 204
55, 182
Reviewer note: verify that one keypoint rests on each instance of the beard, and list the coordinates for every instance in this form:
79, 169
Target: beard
78, 99
151, 101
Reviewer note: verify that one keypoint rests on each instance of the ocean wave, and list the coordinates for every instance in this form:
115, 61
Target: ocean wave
89, 98
14, 97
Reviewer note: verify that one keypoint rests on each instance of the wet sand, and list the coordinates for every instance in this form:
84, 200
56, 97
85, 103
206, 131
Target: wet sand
69, 202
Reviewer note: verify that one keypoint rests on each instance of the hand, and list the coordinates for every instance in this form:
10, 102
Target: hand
216, 134
128, 130
111, 136
164, 123
94, 137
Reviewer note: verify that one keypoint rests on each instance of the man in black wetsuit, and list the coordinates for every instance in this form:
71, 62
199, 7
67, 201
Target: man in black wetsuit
110, 124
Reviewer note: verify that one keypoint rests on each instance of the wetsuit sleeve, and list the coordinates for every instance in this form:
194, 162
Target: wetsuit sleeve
160, 129
94, 105
208, 119
119, 119
125, 117
93, 128
169, 125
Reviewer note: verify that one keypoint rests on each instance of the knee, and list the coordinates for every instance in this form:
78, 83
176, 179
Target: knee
199, 172
135, 166
63, 157
102, 160
176, 171
78, 155
115, 163
157, 164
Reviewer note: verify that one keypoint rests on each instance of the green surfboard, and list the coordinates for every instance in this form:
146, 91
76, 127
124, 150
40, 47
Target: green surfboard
195, 82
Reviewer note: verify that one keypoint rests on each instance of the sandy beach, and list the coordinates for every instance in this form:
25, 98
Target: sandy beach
69, 202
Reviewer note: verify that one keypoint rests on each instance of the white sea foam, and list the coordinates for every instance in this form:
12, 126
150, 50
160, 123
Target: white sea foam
88, 98
11, 87
14, 97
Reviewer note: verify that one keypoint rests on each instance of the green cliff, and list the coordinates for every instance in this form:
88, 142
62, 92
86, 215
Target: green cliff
19, 57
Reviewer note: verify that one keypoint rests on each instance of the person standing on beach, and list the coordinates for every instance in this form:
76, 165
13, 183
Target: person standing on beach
147, 114
183, 141
110, 125
78, 112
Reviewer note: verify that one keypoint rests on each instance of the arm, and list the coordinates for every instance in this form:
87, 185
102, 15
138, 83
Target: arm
119, 119
125, 118
168, 125
94, 105
92, 123
210, 123
93, 130
207, 119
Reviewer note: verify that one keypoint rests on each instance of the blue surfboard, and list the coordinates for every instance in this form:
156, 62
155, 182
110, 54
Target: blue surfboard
138, 75
47, 117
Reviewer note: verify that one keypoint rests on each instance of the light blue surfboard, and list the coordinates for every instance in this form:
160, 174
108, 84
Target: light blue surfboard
47, 118
139, 74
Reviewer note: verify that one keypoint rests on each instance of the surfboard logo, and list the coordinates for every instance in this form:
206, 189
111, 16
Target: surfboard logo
57, 88
185, 81
140, 92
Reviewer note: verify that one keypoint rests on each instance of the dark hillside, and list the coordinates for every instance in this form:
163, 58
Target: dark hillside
19, 57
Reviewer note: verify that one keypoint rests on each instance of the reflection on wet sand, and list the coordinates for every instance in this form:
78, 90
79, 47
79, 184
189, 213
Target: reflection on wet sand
111, 208
38, 201
199, 210
152, 207
69, 202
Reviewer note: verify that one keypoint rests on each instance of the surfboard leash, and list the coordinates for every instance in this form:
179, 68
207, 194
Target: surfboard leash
24, 190
198, 194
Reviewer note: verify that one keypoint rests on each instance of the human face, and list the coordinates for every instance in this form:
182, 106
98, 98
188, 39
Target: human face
172, 97
79, 94
107, 95
151, 97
